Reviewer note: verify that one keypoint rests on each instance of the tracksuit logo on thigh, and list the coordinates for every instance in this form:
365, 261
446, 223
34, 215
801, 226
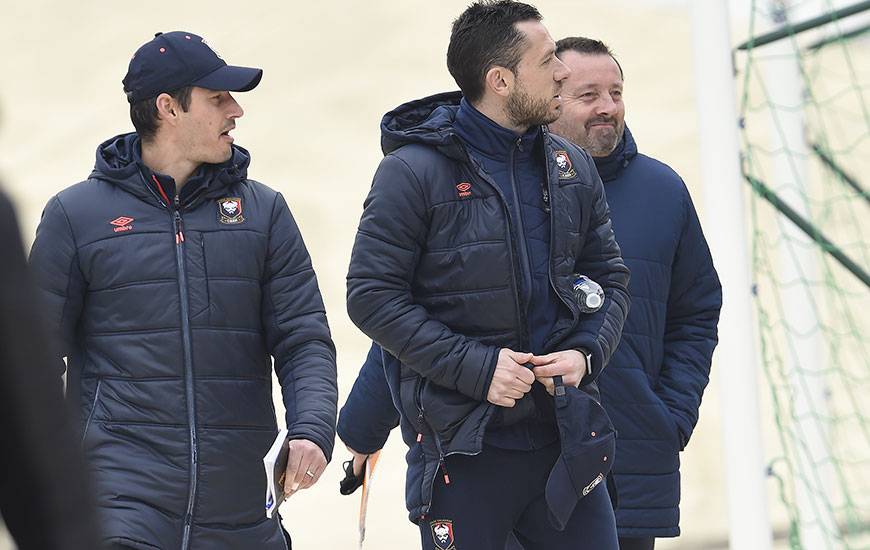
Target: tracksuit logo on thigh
442, 534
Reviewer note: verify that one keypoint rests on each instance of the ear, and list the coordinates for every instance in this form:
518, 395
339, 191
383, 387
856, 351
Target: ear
499, 81
167, 108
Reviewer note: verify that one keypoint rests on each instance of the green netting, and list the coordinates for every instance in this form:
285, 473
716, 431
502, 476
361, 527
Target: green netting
806, 140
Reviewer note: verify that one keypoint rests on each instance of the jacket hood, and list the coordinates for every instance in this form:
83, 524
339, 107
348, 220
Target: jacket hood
612, 165
119, 161
428, 121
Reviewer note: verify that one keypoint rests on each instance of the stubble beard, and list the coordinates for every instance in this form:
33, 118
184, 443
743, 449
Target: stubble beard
525, 111
601, 142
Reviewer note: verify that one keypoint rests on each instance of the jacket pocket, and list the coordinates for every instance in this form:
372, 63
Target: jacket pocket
409, 397
676, 438
94, 403
125, 542
205, 269
199, 290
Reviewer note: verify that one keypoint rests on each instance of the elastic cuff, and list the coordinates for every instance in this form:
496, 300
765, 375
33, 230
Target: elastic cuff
490, 372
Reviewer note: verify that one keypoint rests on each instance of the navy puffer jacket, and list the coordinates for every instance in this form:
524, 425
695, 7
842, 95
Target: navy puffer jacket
652, 389
169, 315
434, 277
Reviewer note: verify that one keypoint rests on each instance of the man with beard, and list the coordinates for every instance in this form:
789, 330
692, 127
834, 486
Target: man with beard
173, 281
475, 230
653, 387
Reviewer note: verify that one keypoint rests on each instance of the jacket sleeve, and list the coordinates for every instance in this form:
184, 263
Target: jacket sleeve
694, 301
369, 414
391, 235
601, 260
59, 280
297, 334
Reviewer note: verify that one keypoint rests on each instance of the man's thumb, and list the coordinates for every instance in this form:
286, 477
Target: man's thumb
520, 357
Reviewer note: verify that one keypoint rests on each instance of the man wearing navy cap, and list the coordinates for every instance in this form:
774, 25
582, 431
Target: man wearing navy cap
174, 281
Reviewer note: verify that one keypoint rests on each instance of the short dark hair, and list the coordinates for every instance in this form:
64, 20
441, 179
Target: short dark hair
144, 113
484, 36
581, 44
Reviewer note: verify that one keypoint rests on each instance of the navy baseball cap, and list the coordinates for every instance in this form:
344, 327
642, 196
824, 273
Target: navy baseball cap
588, 443
178, 59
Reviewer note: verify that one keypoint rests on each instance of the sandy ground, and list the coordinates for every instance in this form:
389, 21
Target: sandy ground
331, 70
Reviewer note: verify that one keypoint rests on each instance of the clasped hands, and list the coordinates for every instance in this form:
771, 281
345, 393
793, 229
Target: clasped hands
512, 379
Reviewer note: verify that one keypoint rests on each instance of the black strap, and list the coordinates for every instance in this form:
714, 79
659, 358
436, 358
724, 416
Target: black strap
351, 482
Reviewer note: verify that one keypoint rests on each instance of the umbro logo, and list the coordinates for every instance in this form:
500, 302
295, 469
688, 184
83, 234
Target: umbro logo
122, 223
463, 190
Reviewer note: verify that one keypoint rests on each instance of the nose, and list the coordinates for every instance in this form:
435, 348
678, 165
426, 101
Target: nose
234, 110
606, 105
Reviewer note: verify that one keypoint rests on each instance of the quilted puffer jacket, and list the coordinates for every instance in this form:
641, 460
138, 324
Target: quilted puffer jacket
434, 278
652, 389
170, 312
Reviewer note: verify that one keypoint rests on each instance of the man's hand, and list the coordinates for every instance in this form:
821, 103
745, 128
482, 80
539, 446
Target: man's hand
511, 379
359, 461
305, 463
569, 364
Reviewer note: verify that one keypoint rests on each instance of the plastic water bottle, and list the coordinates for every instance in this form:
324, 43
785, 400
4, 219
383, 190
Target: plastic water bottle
588, 293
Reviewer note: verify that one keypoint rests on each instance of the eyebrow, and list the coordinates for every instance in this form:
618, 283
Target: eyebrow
591, 85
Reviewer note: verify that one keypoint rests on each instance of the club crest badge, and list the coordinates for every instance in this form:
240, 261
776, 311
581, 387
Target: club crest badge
442, 534
230, 210
563, 163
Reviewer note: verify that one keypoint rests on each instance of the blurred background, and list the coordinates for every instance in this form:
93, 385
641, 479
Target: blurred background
331, 70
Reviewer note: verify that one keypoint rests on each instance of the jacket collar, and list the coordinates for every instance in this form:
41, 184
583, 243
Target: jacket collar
119, 161
611, 166
488, 138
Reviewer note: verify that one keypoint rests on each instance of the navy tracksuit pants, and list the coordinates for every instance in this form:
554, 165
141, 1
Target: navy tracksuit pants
501, 491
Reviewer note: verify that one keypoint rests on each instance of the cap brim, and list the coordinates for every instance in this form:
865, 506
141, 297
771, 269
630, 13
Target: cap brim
560, 495
231, 79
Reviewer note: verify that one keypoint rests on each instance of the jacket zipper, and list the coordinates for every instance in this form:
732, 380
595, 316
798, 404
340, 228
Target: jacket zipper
524, 261
525, 268
570, 306
422, 418
178, 230
442, 456
178, 225
442, 465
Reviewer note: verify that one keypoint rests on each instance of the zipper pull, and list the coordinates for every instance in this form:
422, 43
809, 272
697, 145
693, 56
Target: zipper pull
443, 466
179, 228
419, 437
520, 143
